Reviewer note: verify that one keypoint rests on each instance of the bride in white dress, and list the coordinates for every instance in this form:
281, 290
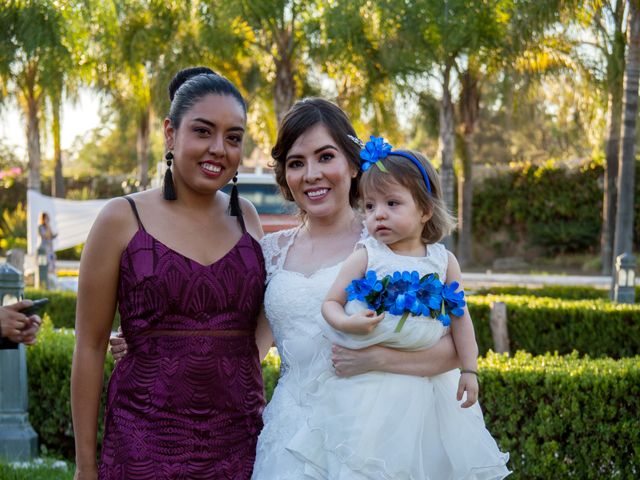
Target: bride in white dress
317, 167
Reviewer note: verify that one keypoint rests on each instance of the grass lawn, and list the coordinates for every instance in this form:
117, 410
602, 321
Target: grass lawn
38, 469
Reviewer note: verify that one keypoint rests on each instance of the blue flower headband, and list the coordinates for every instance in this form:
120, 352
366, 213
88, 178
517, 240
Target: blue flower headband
377, 149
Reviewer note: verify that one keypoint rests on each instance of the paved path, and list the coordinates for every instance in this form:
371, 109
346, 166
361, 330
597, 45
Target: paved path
471, 279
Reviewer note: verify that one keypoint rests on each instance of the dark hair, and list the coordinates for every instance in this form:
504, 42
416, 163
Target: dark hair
304, 115
184, 75
402, 170
188, 89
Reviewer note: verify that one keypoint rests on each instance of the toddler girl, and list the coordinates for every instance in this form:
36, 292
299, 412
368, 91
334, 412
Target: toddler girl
389, 426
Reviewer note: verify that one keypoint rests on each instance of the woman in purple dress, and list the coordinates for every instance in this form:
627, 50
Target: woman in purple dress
186, 271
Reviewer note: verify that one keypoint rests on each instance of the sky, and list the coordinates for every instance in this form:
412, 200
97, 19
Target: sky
76, 120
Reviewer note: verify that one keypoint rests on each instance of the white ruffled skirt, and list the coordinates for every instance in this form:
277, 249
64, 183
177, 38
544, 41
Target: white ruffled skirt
381, 426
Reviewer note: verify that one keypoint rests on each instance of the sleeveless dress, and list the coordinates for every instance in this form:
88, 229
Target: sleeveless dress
186, 401
292, 304
387, 426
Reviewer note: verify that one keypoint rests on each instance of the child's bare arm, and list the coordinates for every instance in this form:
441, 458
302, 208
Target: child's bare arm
465, 342
333, 307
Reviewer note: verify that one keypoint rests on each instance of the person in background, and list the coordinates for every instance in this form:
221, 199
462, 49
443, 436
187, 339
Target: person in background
46, 241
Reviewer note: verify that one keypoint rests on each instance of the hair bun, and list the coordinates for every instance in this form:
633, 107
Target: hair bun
184, 75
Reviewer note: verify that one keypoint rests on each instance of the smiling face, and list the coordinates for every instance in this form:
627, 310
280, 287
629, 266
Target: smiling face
394, 218
318, 173
207, 146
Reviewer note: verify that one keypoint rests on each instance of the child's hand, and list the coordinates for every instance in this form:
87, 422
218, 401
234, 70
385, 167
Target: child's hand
469, 383
361, 323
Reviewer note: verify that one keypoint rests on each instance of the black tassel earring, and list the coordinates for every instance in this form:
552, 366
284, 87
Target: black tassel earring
234, 201
168, 189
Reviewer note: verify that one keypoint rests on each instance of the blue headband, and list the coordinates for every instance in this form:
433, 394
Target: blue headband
377, 149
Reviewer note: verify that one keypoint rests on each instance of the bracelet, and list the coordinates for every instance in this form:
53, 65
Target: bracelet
464, 370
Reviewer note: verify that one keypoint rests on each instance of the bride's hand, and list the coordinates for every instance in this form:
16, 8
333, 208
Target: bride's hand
348, 363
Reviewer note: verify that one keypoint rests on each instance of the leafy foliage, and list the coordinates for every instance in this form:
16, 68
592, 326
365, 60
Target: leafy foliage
597, 328
564, 416
13, 228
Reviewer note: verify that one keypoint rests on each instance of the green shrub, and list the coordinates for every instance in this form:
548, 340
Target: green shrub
572, 292
61, 307
538, 325
548, 206
551, 291
564, 416
49, 368
557, 416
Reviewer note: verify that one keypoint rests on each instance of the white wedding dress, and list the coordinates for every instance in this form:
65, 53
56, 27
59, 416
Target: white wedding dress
372, 426
292, 303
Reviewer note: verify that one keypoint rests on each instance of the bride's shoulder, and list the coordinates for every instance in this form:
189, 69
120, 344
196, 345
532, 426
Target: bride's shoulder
274, 246
277, 239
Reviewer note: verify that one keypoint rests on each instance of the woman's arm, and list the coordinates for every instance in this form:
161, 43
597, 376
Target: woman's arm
97, 288
438, 359
264, 337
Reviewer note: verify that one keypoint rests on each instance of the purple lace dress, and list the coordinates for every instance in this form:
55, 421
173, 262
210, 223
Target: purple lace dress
186, 401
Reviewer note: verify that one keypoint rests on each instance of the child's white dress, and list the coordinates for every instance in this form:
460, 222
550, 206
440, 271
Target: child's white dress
389, 426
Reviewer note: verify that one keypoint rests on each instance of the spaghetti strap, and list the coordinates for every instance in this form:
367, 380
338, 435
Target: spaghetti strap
135, 212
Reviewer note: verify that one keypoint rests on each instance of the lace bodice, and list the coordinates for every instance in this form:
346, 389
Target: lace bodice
292, 304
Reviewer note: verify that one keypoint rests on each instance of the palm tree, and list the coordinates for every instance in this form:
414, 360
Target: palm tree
32, 46
134, 43
626, 170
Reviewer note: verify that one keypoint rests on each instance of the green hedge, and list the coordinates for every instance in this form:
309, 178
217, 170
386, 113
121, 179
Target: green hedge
557, 416
564, 416
552, 291
49, 368
547, 206
538, 325
61, 307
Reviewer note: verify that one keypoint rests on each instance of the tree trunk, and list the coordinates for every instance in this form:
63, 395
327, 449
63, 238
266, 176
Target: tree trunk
469, 107
447, 146
626, 171
33, 142
57, 186
142, 147
284, 90
615, 77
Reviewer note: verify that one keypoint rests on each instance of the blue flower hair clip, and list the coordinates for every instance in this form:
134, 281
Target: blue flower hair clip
377, 149
374, 150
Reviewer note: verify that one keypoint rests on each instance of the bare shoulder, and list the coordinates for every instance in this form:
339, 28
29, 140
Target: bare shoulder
115, 223
251, 218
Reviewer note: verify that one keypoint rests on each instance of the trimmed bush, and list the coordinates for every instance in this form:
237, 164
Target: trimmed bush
551, 291
564, 416
557, 416
49, 368
597, 328
61, 307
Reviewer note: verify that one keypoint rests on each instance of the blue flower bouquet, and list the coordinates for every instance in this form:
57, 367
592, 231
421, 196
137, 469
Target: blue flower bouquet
405, 293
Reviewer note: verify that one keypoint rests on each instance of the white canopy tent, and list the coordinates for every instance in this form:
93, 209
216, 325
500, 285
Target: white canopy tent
70, 219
